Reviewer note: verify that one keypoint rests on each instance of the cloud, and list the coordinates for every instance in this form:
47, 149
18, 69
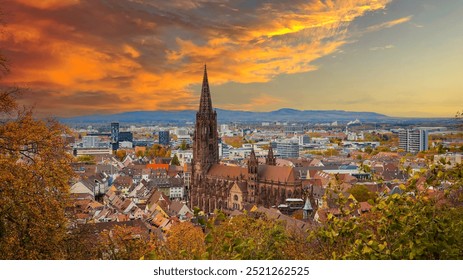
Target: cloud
382, 48
48, 4
388, 24
147, 55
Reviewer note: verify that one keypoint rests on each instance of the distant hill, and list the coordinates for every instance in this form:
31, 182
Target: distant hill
285, 114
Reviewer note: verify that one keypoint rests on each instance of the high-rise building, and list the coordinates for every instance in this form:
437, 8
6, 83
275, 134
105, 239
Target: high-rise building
288, 149
413, 141
115, 135
164, 138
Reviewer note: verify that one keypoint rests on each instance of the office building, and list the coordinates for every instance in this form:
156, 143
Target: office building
164, 138
90, 141
288, 149
115, 135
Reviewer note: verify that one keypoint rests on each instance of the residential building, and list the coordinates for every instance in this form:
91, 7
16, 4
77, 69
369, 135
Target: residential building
413, 141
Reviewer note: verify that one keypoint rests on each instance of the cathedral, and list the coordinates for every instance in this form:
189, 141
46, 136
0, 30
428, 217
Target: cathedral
218, 186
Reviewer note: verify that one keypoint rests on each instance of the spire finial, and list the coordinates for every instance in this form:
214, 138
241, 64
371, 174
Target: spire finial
270, 160
205, 104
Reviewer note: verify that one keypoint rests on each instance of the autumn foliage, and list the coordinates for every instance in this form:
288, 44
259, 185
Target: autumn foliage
184, 241
34, 189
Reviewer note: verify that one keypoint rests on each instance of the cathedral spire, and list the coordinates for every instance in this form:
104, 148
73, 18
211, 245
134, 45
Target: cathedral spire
205, 103
270, 160
252, 157
252, 163
205, 149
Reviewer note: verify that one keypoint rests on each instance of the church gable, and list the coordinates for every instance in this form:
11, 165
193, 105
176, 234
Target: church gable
238, 195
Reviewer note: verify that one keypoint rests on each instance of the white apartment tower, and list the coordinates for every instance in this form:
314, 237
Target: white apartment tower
413, 141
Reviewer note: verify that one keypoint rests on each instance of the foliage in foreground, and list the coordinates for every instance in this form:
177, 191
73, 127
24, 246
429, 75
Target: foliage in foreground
240, 237
420, 223
34, 184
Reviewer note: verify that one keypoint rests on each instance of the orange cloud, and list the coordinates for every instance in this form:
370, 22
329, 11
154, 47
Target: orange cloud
49, 4
138, 55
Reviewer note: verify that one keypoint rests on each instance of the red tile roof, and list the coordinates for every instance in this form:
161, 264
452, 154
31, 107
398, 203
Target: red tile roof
276, 173
225, 171
158, 166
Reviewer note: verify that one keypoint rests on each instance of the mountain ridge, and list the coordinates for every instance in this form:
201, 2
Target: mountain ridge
283, 114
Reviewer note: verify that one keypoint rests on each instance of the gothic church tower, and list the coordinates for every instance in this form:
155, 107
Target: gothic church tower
205, 145
271, 159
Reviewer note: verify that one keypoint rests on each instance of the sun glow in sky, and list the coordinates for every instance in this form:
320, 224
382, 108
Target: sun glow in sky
76, 57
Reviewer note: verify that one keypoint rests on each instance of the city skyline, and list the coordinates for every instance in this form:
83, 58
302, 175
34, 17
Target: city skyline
77, 57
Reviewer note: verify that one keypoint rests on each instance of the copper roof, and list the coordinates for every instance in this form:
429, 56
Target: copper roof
276, 173
225, 171
265, 172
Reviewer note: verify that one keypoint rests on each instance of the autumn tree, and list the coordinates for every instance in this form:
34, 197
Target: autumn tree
120, 154
140, 154
88, 159
183, 145
175, 161
184, 241
255, 237
235, 141
35, 171
157, 151
330, 153
123, 243
420, 223
362, 193
81, 243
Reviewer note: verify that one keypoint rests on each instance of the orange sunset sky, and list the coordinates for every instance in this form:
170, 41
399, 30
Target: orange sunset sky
75, 57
